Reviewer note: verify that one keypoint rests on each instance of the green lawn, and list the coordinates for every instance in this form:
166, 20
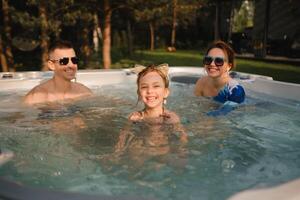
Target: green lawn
281, 72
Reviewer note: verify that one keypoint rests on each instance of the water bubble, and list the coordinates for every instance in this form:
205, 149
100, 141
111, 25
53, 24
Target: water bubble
5, 156
227, 165
262, 169
195, 152
190, 134
184, 120
58, 173
190, 167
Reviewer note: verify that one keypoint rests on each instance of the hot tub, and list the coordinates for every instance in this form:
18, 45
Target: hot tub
68, 150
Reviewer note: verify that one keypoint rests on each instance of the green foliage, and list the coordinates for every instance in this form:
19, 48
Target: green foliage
243, 16
24, 19
161, 11
187, 11
146, 11
58, 13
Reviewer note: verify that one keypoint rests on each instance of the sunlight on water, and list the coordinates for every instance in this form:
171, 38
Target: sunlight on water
89, 147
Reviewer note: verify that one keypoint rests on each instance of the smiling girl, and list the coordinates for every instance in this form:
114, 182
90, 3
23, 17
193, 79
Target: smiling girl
154, 131
153, 90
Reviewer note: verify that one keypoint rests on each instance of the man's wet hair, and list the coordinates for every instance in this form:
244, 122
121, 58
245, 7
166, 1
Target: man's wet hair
60, 44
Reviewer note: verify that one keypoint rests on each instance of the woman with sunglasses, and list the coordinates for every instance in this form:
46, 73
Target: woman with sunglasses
63, 62
218, 61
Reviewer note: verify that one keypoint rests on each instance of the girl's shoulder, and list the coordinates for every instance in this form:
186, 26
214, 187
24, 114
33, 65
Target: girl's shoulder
171, 117
136, 116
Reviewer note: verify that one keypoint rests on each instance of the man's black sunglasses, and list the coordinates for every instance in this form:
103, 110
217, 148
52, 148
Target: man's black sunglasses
65, 60
219, 61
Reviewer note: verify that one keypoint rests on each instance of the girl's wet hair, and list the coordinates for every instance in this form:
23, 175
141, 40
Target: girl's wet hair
153, 68
228, 51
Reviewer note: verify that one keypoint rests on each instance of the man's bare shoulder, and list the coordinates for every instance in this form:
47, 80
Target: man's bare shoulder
80, 88
37, 94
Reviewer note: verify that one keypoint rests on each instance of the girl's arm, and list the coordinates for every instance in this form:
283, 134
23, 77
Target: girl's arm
178, 128
126, 135
124, 138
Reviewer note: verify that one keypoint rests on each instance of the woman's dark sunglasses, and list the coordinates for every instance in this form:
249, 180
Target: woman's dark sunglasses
65, 60
219, 61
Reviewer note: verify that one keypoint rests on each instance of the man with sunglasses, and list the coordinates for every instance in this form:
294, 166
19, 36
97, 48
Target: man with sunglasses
63, 62
218, 84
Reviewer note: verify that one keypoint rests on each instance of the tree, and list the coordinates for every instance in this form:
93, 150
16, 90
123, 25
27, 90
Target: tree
183, 12
97, 34
47, 23
84, 17
123, 20
51, 24
243, 15
107, 35
3, 61
108, 8
173, 34
170, 13
46, 20
44, 39
8, 55
150, 12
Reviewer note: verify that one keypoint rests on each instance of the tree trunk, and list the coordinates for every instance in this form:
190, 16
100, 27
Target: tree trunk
266, 27
2, 57
217, 22
7, 39
107, 35
85, 48
96, 33
152, 36
129, 38
173, 36
44, 36
230, 22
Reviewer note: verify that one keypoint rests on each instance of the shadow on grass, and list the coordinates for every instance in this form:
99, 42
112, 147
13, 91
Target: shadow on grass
157, 57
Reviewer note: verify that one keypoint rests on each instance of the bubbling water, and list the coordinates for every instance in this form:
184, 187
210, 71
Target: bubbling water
75, 147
